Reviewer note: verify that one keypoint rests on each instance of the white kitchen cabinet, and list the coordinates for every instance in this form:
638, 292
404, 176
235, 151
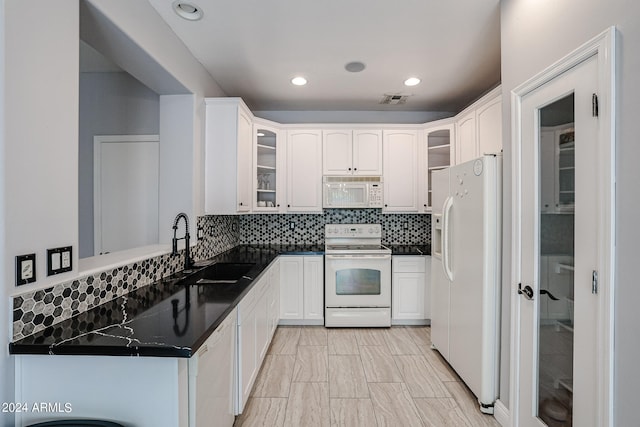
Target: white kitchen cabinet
439, 154
410, 302
466, 142
211, 377
400, 149
352, 152
184, 392
304, 171
557, 169
268, 168
489, 126
313, 277
479, 128
228, 156
302, 290
274, 297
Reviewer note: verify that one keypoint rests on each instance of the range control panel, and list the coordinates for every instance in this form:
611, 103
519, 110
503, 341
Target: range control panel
352, 230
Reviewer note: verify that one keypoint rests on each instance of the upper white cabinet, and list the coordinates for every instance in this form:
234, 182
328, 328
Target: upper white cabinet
479, 128
438, 144
400, 170
557, 169
304, 171
352, 152
466, 144
228, 156
268, 170
489, 123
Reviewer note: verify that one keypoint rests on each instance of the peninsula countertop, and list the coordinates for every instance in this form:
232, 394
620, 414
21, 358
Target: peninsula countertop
168, 318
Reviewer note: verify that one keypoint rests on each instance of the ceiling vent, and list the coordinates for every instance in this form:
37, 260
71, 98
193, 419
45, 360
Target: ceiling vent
394, 98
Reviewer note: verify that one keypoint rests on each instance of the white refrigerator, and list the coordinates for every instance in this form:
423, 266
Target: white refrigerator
465, 275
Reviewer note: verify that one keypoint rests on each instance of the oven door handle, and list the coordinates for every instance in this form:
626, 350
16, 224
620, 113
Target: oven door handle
368, 257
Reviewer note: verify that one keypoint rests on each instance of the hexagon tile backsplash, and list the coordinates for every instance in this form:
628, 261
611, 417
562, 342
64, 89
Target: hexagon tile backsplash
34, 311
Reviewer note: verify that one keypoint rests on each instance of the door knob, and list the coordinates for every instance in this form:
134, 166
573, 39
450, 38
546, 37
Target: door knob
527, 291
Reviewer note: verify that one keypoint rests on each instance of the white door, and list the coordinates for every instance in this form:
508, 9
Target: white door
126, 171
558, 362
337, 152
304, 171
466, 147
367, 152
245, 176
400, 171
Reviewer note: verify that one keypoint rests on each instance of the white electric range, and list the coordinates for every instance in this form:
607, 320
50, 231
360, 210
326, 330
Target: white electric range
357, 276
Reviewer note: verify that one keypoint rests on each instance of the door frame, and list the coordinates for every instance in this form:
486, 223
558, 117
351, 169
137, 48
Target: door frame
603, 47
98, 140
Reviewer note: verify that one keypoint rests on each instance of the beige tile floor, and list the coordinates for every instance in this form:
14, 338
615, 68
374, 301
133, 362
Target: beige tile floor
314, 376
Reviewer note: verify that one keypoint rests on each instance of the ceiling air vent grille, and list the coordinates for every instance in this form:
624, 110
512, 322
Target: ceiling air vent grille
394, 99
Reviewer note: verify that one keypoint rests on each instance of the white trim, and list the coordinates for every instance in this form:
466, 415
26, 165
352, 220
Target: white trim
602, 46
501, 414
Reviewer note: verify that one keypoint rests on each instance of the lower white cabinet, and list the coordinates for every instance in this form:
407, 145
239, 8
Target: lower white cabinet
302, 290
257, 319
211, 377
410, 282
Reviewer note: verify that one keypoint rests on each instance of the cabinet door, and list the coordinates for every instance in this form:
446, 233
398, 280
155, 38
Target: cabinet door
244, 177
274, 309
248, 353
367, 152
489, 123
267, 181
262, 320
337, 158
400, 171
466, 148
439, 142
427, 287
313, 287
304, 171
408, 296
213, 379
291, 287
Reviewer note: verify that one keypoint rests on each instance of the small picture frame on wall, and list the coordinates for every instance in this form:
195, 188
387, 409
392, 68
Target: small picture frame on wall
25, 269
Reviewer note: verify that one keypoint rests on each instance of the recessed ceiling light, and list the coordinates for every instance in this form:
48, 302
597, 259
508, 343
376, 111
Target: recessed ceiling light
299, 81
187, 10
354, 67
411, 81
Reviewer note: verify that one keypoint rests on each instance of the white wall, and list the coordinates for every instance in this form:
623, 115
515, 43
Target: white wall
39, 139
534, 35
110, 104
6, 364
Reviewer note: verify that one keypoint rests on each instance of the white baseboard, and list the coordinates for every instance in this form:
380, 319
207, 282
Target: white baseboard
301, 322
501, 414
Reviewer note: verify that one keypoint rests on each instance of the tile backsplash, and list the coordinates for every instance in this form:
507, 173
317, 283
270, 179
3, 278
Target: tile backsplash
34, 311
276, 228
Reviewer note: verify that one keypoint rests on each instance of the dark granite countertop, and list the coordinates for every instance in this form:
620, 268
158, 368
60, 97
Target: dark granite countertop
145, 323
410, 249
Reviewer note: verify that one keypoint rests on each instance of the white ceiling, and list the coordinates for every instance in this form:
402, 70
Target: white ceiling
252, 48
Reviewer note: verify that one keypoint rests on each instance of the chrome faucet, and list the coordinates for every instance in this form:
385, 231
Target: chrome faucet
174, 252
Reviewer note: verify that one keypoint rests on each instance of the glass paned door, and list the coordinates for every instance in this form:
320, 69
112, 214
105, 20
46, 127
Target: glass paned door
556, 254
358, 281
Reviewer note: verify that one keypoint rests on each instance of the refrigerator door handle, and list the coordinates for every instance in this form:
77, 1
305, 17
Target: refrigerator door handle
446, 212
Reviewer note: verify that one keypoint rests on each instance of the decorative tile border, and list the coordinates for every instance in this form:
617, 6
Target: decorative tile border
36, 310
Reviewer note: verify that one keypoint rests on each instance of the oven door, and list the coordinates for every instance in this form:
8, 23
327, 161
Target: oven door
358, 280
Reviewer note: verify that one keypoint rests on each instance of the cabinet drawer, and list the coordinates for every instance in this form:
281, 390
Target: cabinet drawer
408, 264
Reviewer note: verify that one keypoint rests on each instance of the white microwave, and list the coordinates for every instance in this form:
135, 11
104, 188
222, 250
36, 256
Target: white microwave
352, 192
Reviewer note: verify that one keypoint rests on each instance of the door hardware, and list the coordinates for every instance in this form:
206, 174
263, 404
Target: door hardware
594, 282
527, 291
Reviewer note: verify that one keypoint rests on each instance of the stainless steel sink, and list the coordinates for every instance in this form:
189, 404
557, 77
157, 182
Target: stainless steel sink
223, 273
